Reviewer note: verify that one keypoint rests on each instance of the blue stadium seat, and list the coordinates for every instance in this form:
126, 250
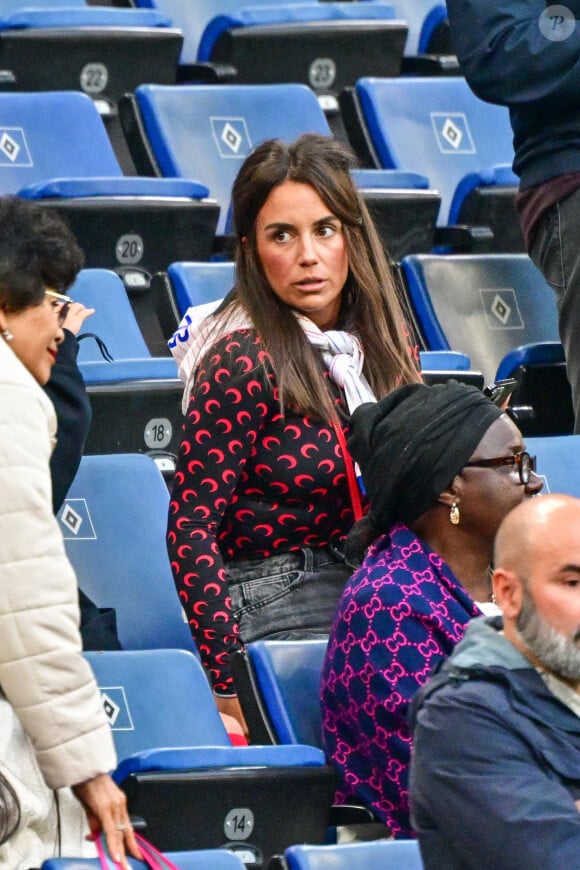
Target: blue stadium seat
198, 283
428, 26
278, 687
377, 855
324, 45
206, 131
188, 284
98, 49
54, 148
210, 129
114, 521
136, 399
438, 366
199, 859
558, 462
115, 323
482, 305
178, 766
499, 310
437, 127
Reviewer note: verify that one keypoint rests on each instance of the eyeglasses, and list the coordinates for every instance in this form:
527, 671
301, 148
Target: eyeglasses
59, 303
522, 461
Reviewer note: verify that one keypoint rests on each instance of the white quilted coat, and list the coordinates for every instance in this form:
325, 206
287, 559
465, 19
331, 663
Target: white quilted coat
59, 736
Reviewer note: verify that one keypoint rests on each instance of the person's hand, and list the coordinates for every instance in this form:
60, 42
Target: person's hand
106, 808
231, 707
76, 316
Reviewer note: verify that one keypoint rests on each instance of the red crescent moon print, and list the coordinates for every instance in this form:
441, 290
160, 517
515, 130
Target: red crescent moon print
250, 482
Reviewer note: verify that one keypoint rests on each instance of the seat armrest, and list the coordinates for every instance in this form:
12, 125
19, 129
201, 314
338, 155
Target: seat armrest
430, 65
259, 725
206, 73
464, 239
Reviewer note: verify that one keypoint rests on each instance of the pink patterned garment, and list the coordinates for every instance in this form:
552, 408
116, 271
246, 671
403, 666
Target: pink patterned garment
401, 612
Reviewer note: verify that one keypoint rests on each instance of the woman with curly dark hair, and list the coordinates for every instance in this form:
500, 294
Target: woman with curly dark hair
55, 743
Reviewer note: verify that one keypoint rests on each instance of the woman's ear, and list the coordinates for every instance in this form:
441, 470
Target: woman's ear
452, 494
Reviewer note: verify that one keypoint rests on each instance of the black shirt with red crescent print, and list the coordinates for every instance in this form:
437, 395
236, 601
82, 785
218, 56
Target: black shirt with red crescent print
250, 483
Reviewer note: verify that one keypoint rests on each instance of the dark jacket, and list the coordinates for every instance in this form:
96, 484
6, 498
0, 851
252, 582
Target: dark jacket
66, 389
506, 59
496, 763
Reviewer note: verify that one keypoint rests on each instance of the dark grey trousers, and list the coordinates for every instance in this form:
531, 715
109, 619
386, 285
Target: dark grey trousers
556, 252
288, 597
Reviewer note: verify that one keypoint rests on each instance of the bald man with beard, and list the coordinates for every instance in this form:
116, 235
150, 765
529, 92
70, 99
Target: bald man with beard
495, 774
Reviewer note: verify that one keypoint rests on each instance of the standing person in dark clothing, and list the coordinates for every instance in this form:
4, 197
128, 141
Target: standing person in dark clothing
67, 392
526, 55
265, 491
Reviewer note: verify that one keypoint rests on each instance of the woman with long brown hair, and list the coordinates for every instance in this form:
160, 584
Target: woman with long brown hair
265, 491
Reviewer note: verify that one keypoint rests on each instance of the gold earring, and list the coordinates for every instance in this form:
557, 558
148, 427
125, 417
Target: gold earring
454, 515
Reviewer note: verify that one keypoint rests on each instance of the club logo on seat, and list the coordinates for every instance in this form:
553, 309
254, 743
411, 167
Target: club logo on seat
452, 133
502, 309
116, 708
13, 147
231, 137
75, 520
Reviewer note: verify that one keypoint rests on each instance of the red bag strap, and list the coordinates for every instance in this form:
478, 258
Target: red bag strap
353, 487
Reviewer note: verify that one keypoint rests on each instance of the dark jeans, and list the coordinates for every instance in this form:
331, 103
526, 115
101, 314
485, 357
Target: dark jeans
556, 252
291, 596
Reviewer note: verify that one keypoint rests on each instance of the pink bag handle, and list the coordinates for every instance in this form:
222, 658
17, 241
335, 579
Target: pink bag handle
155, 858
152, 857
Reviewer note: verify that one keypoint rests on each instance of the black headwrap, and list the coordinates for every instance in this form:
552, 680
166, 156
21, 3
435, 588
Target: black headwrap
411, 444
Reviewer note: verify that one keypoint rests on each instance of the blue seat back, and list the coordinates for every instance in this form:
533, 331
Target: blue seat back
198, 283
202, 859
207, 131
192, 18
114, 320
74, 15
416, 13
114, 521
7, 7
52, 135
558, 462
115, 323
288, 674
374, 855
480, 305
438, 127
291, 15
157, 698
444, 360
